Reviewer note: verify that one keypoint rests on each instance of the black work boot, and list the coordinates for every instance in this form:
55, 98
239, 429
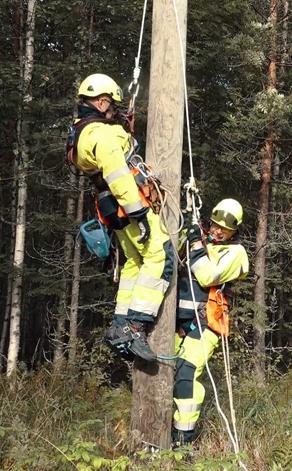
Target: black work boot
139, 345
119, 338
181, 437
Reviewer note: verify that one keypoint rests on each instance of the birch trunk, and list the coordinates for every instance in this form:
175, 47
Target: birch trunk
5, 325
266, 156
16, 290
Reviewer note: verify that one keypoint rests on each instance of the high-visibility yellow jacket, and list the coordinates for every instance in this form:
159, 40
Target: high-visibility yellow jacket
102, 147
213, 266
219, 264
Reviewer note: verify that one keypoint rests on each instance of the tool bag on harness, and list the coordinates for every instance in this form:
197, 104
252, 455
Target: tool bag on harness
96, 238
217, 311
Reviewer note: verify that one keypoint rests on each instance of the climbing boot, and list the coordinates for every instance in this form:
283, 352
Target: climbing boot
139, 345
180, 438
119, 338
129, 337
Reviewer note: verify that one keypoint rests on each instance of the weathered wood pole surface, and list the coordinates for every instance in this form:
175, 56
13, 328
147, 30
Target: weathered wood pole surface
153, 383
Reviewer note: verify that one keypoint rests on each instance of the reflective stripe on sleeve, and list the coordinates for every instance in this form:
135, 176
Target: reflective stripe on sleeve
132, 207
200, 264
111, 177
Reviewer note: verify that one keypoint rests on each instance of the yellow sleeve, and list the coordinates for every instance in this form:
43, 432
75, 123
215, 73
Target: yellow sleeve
106, 148
222, 264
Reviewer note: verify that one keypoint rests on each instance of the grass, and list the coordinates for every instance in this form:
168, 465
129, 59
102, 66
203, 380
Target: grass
58, 422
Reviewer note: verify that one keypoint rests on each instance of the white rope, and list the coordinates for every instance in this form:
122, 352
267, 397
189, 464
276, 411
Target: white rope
192, 190
185, 89
191, 187
226, 356
137, 68
137, 59
204, 350
233, 439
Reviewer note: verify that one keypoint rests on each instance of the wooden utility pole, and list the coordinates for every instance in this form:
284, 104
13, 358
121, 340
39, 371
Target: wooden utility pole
153, 383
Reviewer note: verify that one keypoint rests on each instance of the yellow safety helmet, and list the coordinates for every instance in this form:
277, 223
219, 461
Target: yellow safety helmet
228, 213
99, 84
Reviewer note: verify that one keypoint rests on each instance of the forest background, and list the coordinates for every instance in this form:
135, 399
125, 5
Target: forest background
65, 397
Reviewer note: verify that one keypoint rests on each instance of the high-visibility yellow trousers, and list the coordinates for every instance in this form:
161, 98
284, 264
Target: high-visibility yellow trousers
146, 274
189, 393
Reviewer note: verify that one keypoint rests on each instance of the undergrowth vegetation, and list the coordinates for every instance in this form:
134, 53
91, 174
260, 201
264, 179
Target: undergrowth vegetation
61, 422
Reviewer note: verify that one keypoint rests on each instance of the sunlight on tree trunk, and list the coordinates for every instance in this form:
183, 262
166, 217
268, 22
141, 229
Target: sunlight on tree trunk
266, 156
5, 325
22, 132
153, 384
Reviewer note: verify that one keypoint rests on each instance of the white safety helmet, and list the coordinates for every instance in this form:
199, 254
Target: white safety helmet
228, 213
100, 84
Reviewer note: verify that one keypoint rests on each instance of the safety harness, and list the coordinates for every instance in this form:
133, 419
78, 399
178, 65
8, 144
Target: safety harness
109, 213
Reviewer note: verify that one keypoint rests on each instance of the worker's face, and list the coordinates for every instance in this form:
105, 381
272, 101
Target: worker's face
220, 233
104, 103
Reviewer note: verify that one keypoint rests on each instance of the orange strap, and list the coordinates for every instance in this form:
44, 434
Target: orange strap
217, 312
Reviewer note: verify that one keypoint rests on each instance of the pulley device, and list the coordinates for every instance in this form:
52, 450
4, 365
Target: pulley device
96, 238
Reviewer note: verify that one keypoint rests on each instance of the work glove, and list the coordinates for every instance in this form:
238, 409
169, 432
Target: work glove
194, 234
144, 228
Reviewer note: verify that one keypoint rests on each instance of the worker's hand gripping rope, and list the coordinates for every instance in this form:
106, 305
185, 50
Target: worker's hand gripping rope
194, 201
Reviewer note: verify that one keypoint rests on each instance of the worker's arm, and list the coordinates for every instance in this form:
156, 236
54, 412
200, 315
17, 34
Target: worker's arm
223, 263
110, 159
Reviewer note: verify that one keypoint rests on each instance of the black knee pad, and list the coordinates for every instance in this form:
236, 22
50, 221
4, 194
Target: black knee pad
184, 379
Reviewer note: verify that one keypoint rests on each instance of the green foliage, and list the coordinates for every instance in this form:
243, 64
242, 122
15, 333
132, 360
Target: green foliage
55, 422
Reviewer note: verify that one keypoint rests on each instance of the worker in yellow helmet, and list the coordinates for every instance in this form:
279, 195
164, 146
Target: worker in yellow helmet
216, 258
101, 148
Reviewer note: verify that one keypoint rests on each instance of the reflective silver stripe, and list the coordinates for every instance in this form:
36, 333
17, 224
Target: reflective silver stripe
185, 304
184, 427
199, 262
127, 284
190, 407
130, 208
122, 309
158, 284
116, 174
103, 194
144, 307
214, 275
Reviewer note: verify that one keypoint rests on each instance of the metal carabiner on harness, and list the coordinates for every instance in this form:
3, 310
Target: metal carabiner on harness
135, 83
219, 295
136, 161
194, 201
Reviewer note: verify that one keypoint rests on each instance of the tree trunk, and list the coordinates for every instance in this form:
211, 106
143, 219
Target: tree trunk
22, 132
5, 325
266, 156
62, 307
285, 54
76, 281
153, 384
